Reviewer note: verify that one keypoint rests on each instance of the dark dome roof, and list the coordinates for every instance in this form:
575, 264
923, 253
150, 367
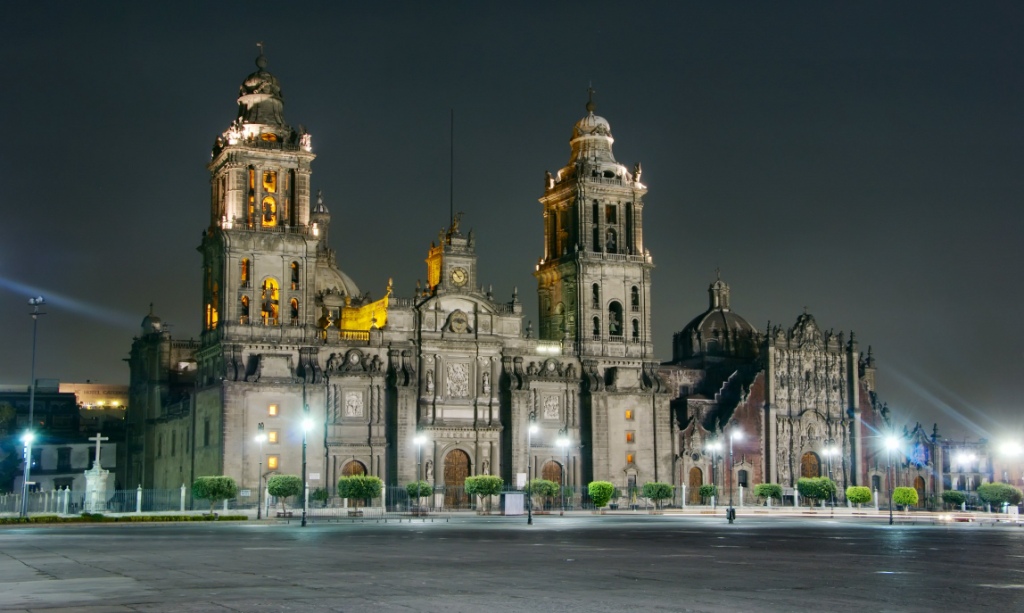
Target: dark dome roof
717, 332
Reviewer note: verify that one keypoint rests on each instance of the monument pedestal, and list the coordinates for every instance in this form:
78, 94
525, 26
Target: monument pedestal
96, 490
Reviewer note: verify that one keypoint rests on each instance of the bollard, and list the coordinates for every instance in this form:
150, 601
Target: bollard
796, 499
741, 496
876, 500
683, 499
138, 499
225, 505
182, 498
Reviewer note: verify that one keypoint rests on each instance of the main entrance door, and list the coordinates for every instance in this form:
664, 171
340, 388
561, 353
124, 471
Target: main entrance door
696, 480
552, 471
919, 486
456, 469
810, 465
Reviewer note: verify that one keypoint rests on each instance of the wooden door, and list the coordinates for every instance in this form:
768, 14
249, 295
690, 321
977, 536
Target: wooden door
552, 471
696, 480
919, 486
810, 465
456, 469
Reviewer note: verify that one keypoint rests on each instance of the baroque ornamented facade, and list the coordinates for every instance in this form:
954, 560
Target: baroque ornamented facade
287, 337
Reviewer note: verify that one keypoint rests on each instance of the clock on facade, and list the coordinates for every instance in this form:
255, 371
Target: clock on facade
459, 276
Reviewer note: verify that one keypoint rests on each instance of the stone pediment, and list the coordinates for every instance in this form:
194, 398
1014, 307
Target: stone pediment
552, 369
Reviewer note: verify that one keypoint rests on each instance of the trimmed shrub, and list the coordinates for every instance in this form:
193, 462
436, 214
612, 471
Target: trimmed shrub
601, 493
768, 491
320, 495
953, 498
284, 486
858, 494
998, 493
214, 489
816, 488
419, 489
904, 496
657, 491
360, 487
543, 488
484, 486
707, 491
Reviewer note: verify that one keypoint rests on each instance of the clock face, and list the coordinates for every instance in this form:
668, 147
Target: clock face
459, 276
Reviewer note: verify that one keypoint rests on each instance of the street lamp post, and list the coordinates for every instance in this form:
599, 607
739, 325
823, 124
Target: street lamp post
29, 436
563, 442
260, 437
419, 440
891, 444
307, 423
715, 447
831, 450
529, 472
733, 435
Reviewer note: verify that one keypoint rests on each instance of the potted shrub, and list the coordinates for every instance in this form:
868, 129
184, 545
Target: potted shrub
214, 489
656, 492
768, 491
905, 497
544, 489
284, 486
998, 494
858, 494
707, 491
484, 486
361, 488
417, 490
601, 493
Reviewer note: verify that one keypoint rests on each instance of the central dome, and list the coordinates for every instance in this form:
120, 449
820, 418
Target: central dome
716, 333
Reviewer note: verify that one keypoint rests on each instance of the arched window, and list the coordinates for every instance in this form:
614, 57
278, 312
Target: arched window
269, 304
245, 273
610, 242
594, 219
596, 296
742, 478
295, 311
615, 319
597, 327
295, 275
252, 197
876, 483
636, 331
634, 299
269, 212
214, 310
244, 311
270, 181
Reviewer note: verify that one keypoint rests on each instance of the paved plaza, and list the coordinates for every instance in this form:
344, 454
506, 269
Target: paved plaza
573, 563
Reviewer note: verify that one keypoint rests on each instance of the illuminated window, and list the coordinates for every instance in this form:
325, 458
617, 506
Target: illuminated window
629, 414
630, 437
244, 315
272, 410
269, 302
272, 462
269, 212
244, 273
269, 137
270, 181
295, 311
272, 436
252, 178
629, 458
295, 275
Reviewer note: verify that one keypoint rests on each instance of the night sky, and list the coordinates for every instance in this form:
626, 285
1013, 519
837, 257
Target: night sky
861, 161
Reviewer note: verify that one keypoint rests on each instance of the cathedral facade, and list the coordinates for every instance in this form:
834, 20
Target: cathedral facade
292, 349
288, 338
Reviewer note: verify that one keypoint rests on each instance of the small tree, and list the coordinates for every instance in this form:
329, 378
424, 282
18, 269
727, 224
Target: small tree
284, 486
816, 488
320, 495
543, 488
601, 492
858, 494
657, 491
214, 489
360, 487
904, 496
707, 491
997, 494
419, 489
768, 491
953, 498
484, 486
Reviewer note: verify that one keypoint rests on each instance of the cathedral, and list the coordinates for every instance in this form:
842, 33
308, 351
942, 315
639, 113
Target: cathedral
292, 349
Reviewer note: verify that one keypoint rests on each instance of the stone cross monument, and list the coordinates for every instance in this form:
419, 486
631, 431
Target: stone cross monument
96, 481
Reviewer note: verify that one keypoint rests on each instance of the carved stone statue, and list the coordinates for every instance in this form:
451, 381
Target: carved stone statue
430, 381
332, 362
486, 466
428, 471
549, 181
486, 385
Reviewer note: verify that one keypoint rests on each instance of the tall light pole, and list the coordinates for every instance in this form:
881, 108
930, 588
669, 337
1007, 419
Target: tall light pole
891, 444
563, 442
733, 435
829, 451
307, 423
29, 436
529, 472
419, 440
715, 447
260, 437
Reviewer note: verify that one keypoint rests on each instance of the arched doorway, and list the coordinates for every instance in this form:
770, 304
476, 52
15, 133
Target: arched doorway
552, 471
352, 468
693, 488
919, 486
810, 465
456, 469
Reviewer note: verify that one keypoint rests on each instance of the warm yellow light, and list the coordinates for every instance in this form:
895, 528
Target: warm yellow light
272, 410
272, 462
272, 436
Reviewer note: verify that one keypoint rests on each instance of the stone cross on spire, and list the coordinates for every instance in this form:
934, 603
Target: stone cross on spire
98, 439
